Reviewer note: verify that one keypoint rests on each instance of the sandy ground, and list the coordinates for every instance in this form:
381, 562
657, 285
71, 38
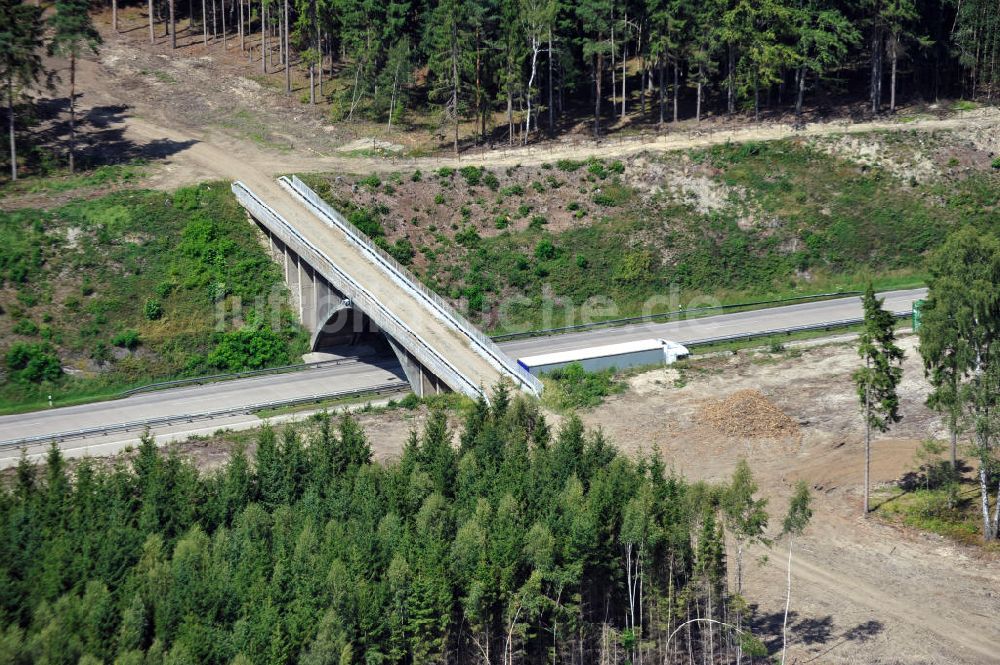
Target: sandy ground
863, 591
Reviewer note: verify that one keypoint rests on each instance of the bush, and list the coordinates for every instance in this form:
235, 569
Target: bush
512, 190
367, 222
468, 237
33, 363
126, 339
439, 198
445, 172
996, 163
545, 250
25, 327
573, 387
100, 353
417, 176
537, 222
153, 310
372, 182
472, 174
249, 348
617, 167
568, 165
491, 181
402, 251
635, 266
597, 169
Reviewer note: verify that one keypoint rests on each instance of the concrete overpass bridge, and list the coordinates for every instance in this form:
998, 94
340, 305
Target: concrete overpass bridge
346, 289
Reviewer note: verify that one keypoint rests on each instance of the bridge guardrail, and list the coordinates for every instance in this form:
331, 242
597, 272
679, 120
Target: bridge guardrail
497, 357
207, 415
360, 295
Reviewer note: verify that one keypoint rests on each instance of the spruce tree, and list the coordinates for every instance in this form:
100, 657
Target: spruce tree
21, 35
73, 36
877, 381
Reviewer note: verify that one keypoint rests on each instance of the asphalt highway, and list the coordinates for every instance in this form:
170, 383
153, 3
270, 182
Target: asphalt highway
364, 374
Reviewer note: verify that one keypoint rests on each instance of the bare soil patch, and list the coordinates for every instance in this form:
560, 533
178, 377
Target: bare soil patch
863, 590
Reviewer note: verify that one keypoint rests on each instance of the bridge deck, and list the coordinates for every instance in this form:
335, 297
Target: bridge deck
444, 339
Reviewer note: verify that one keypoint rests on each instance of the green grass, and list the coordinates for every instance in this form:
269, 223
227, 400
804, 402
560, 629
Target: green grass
76, 282
249, 126
103, 176
454, 402
964, 105
798, 221
934, 510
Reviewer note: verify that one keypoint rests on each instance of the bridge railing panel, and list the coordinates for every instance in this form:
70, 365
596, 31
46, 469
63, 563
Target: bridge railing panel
408, 280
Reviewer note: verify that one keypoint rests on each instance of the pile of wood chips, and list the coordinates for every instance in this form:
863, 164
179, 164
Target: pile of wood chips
748, 413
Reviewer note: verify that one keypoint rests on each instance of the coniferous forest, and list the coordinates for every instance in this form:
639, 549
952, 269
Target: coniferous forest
515, 544
511, 67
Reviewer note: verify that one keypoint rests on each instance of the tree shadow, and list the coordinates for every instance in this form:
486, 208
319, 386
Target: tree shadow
100, 136
809, 631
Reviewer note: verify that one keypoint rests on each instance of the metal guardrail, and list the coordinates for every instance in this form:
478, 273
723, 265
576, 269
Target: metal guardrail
444, 309
361, 296
741, 337
504, 337
162, 421
212, 378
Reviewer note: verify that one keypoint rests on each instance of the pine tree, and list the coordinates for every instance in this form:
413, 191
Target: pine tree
877, 381
449, 61
823, 36
595, 17
73, 34
21, 41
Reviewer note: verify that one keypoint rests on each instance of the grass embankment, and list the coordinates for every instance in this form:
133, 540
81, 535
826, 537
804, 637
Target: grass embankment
135, 287
773, 219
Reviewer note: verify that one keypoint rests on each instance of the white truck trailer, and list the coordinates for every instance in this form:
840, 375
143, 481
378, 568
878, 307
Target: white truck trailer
611, 356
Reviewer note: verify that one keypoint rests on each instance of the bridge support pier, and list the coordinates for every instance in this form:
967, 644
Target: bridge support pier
422, 382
